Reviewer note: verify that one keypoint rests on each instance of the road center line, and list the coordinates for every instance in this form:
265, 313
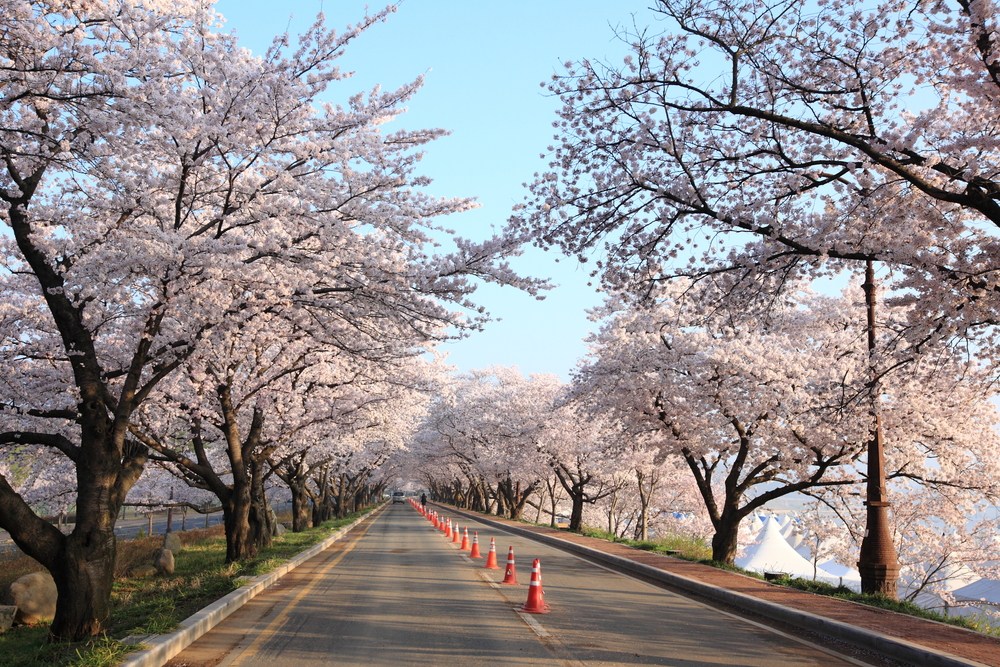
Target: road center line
661, 588
529, 620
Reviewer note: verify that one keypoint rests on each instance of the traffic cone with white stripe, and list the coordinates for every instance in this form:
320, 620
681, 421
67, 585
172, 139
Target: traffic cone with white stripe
536, 597
491, 557
510, 574
455, 532
465, 539
474, 552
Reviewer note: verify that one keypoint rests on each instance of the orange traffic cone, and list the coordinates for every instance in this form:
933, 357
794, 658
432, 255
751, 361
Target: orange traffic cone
536, 598
474, 552
447, 528
465, 539
510, 574
491, 557
454, 536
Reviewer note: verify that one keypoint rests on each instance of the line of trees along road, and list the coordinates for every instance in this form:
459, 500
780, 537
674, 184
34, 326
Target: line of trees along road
217, 266
746, 147
220, 276
742, 153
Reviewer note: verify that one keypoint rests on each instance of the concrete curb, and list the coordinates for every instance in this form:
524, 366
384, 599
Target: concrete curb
892, 647
161, 648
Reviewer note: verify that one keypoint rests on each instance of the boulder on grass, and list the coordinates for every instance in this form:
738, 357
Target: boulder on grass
143, 570
34, 596
279, 529
7, 612
172, 541
163, 561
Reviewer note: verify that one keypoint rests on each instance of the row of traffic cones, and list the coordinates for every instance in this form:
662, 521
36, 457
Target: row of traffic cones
536, 596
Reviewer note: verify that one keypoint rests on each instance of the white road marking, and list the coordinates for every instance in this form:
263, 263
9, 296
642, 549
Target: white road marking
533, 623
530, 619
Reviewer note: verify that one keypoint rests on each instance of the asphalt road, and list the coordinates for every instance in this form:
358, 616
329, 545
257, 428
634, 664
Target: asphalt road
396, 592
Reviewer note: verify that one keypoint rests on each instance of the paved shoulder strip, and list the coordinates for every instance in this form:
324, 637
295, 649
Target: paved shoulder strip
161, 648
893, 647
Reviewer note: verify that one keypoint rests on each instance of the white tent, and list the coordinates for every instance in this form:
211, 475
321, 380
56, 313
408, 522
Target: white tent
984, 591
772, 553
980, 599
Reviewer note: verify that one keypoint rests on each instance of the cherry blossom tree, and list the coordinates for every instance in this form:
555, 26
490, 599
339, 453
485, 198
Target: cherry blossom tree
216, 424
749, 144
754, 411
668, 499
632, 449
489, 425
781, 406
587, 455
159, 182
745, 135
943, 473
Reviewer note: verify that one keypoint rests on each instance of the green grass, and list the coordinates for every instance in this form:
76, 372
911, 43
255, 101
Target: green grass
152, 604
681, 546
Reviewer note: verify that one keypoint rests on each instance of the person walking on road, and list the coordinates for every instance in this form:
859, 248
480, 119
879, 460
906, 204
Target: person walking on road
423, 500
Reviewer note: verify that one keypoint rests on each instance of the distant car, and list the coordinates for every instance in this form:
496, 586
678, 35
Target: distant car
398, 497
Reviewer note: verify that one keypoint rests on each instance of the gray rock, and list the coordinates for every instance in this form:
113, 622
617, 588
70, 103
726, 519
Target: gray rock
142, 570
163, 561
7, 613
279, 529
34, 596
172, 541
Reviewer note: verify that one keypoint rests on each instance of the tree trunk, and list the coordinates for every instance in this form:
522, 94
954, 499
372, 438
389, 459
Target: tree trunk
522, 502
725, 541
263, 523
323, 502
576, 514
342, 497
612, 510
550, 485
501, 500
83, 568
642, 530
236, 519
301, 514
83, 584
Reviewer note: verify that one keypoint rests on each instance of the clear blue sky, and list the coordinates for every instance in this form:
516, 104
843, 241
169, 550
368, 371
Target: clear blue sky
483, 63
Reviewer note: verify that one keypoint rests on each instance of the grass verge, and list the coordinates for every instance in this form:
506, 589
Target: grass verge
681, 546
145, 604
